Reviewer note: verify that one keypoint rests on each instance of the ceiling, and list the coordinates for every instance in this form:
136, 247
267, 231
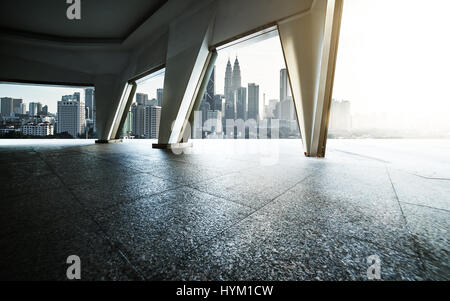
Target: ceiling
101, 20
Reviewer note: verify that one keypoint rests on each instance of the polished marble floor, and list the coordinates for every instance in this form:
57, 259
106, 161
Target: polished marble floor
225, 210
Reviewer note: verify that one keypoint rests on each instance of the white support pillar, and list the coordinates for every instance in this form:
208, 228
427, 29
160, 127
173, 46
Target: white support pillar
310, 43
187, 65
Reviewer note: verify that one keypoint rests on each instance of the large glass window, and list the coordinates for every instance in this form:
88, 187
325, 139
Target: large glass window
42, 111
248, 95
144, 114
392, 70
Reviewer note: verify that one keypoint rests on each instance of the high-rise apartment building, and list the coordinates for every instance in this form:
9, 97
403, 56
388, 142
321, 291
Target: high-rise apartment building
23, 108
241, 103
236, 79
89, 96
16, 106
34, 108
219, 103
142, 99
159, 96
285, 89
286, 108
152, 118
44, 110
71, 115
210, 89
253, 102
145, 121
7, 106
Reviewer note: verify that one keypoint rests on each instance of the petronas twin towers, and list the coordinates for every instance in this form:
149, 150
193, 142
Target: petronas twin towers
232, 84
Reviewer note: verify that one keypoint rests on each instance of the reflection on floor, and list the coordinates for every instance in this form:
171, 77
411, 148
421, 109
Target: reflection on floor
229, 210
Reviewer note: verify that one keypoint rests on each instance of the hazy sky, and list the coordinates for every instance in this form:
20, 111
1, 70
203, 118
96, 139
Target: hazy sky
43, 94
393, 57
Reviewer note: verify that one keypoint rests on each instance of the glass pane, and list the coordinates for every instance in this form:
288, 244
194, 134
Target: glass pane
248, 95
43, 111
144, 114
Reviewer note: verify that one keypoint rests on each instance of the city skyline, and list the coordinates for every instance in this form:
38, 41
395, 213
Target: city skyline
47, 95
367, 73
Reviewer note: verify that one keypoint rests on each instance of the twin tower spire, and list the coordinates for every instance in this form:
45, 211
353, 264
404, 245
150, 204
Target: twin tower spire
232, 78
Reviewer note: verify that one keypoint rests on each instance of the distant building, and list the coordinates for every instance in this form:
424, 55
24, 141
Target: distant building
285, 90
138, 113
142, 99
127, 129
159, 96
71, 115
153, 118
286, 110
229, 94
241, 103
7, 106
340, 116
41, 129
204, 108
34, 108
145, 121
253, 102
219, 103
44, 111
17, 106
210, 89
214, 121
270, 109
23, 108
236, 78
89, 102
75, 97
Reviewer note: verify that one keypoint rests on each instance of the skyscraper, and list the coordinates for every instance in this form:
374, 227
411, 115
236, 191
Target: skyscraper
232, 84
285, 89
23, 108
236, 79
219, 103
141, 98
228, 86
159, 96
71, 115
253, 102
145, 121
241, 103
229, 95
16, 106
34, 108
89, 96
137, 113
152, 119
7, 106
286, 111
204, 108
210, 89
44, 110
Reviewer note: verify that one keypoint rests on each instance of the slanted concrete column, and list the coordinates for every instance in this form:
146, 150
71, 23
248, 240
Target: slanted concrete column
310, 42
187, 64
110, 95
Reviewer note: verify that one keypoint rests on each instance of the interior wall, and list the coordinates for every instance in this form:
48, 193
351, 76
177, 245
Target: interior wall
110, 65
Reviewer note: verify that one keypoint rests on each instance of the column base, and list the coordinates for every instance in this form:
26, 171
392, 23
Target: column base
108, 141
172, 146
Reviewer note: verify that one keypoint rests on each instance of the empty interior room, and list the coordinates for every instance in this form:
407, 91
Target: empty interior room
224, 140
